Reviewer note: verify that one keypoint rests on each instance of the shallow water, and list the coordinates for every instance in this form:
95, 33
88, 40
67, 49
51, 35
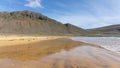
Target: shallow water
58, 55
110, 43
79, 57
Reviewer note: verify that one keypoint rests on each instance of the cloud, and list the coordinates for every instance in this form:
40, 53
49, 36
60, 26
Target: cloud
88, 21
34, 4
81, 21
91, 13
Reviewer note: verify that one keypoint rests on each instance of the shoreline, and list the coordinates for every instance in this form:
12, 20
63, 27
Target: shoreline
28, 37
18, 40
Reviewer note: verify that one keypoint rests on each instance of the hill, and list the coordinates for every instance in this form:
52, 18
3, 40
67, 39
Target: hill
112, 30
76, 30
32, 23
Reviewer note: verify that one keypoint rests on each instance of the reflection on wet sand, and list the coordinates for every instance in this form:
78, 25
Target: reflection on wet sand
37, 50
59, 53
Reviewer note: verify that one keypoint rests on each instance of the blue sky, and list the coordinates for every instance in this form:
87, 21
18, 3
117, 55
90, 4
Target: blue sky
82, 13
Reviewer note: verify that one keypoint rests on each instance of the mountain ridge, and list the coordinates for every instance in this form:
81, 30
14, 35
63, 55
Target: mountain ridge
32, 23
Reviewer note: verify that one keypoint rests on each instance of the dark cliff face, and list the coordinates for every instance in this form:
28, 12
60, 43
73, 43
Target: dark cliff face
27, 22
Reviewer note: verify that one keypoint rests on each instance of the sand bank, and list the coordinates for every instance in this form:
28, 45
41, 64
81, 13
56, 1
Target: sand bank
17, 40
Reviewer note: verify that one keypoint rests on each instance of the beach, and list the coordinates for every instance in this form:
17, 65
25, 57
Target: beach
58, 52
17, 40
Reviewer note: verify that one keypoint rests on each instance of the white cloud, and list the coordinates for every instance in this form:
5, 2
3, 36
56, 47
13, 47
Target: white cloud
96, 13
88, 21
34, 4
78, 20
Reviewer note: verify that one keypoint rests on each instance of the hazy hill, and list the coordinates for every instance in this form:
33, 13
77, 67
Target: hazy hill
76, 30
31, 23
112, 30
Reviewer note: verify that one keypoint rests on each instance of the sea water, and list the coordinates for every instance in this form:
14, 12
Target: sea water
110, 43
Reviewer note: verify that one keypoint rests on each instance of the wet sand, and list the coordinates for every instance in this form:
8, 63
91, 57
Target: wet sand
58, 53
37, 49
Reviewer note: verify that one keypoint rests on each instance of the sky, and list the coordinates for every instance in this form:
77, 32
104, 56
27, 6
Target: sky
83, 13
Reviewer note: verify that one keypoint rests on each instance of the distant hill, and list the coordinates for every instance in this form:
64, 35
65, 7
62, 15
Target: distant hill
76, 30
112, 30
32, 23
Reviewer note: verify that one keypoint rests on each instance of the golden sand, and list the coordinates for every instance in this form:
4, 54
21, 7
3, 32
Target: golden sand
17, 40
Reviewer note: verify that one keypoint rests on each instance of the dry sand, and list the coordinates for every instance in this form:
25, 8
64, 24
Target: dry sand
57, 53
17, 40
